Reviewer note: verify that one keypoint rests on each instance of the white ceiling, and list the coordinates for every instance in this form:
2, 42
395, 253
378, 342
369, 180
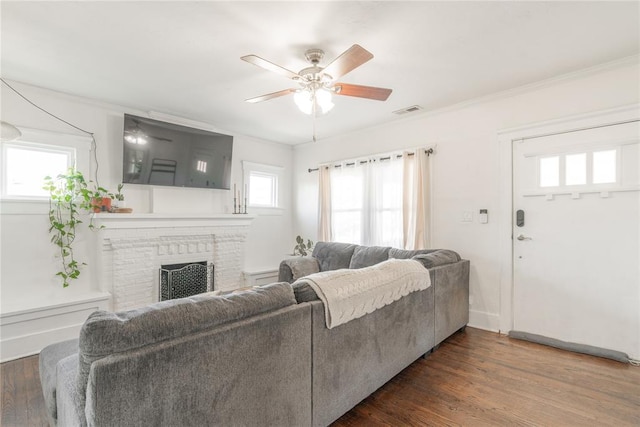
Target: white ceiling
183, 58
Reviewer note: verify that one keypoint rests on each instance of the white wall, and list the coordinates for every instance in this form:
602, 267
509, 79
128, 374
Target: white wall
27, 257
466, 164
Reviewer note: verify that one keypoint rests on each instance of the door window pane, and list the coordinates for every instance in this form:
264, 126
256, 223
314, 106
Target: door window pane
576, 169
604, 166
550, 171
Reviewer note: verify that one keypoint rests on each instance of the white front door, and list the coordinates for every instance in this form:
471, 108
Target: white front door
576, 237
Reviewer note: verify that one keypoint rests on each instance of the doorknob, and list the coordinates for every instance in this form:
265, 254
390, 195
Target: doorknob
523, 237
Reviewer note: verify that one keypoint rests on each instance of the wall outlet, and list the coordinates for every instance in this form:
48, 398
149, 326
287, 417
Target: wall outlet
467, 216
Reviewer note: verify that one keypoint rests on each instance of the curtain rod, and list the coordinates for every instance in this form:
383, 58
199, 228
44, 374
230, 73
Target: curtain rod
428, 151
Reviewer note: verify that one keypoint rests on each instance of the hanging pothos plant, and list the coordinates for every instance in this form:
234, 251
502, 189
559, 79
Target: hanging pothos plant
70, 197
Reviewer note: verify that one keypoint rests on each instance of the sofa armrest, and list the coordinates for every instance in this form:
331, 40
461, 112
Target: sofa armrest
437, 258
291, 269
69, 404
451, 290
48, 360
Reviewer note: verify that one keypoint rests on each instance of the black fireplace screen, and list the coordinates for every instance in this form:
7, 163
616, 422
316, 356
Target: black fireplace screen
183, 280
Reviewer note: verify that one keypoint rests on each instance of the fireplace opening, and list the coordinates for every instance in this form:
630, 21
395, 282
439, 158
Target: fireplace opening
183, 280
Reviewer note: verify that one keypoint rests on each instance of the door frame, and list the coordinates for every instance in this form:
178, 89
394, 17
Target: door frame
506, 139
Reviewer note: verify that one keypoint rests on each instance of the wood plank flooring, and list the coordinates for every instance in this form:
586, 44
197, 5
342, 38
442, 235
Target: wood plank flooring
479, 378
475, 378
22, 400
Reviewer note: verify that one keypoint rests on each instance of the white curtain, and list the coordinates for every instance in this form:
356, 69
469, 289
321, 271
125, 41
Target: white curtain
383, 204
416, 200
324, 204
376, 202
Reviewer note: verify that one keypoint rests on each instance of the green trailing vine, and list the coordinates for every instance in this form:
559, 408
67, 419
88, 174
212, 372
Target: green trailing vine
69, 198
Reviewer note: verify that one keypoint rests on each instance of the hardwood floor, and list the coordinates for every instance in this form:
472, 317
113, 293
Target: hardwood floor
479, 378
22, 400
475, 378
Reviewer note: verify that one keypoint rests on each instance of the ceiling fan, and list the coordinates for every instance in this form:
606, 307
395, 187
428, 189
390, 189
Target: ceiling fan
317, 84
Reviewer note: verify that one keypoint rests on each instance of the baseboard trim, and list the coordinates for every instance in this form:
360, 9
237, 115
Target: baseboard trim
28, 345
484, 320
262, 277
26, 332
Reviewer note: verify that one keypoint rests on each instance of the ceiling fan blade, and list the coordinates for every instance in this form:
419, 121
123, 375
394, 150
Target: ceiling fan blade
369, 92
270, 96
263, 63
350, 59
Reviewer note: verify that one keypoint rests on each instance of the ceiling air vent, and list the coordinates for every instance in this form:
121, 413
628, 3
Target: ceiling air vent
407, 110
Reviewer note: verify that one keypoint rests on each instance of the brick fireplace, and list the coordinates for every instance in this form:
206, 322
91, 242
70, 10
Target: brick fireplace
133, 247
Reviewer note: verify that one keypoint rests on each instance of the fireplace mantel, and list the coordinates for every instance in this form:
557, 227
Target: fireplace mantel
159, 220
131, 249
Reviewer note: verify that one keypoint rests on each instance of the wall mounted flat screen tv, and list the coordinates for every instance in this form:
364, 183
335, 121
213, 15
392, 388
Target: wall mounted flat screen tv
160, 153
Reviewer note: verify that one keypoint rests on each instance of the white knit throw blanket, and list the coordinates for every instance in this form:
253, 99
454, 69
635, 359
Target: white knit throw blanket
349, 294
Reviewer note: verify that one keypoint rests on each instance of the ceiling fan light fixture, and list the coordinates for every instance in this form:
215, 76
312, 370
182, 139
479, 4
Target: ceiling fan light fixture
323, 99
9, 132
304, 100
309, 100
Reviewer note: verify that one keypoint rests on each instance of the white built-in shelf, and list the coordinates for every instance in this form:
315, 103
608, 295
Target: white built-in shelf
165, 220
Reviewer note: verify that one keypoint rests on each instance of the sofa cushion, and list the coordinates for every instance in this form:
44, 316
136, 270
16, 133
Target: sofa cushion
333, 255
408, 254
366, 256
437, 258
106, 333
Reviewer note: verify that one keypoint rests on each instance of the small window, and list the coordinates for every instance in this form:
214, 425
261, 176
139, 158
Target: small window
262, 183
26, 165
550, 171
263, 189
604, 166
576, 169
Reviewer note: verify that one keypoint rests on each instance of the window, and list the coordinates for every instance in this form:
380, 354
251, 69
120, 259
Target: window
382, 201
576, 169
262, 183
604, 166
27, 165
37, 154
347, 190
263, 189
550, 171
586, 169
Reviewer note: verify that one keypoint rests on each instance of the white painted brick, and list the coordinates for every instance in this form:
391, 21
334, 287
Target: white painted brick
130, 259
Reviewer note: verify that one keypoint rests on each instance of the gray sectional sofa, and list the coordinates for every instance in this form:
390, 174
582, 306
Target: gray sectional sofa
258, 357
235, 360
353, 360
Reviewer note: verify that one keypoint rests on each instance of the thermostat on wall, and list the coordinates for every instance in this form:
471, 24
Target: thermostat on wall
483, 218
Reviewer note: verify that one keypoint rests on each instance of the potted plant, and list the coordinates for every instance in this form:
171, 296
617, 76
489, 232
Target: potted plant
301, 248
119, 197
69, 197
101, 200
